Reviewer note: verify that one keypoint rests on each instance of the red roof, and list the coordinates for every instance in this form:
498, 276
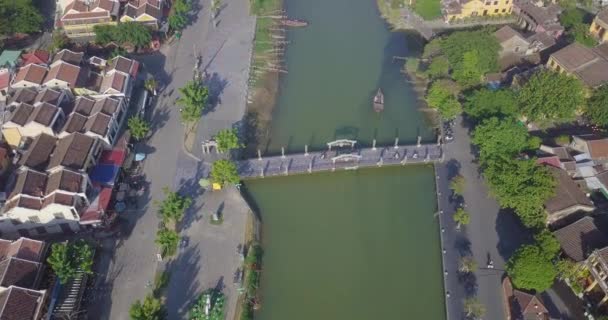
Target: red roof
5, 78
37, 57
551, 160
115, 157
95, 211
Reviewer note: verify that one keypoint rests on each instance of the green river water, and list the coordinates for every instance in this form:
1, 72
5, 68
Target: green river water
358, 244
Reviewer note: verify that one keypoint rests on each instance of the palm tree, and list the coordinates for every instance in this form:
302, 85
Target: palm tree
473, 308
467, 265
461, 217
151, 85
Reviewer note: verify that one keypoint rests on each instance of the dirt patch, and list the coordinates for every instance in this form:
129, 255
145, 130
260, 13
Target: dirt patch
258, 115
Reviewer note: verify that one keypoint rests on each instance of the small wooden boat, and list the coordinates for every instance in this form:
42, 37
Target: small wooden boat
294, 23
379, 101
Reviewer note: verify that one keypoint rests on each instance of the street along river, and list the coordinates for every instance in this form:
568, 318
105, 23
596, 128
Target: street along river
358, 244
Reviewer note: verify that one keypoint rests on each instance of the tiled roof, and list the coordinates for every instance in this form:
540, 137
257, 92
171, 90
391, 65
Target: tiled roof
5, 79
21, 114
603, 16
124, 65
20, 304
114, 81
23, 248
37, 154
29, 182
580, 238
505, 33
18, 272
69, 56
63, 71
587, 64
78, 9
64, 180
72, 151
567, 193
48, 95
32, 73
36, 56
27, 95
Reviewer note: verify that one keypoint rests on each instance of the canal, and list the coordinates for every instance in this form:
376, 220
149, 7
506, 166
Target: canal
358, 244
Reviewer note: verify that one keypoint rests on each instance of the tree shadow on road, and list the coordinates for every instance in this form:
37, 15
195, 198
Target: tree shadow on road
216, 86
184, 287
511, 233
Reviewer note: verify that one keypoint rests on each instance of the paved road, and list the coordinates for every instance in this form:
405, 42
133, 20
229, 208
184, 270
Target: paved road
128, 261
491, 233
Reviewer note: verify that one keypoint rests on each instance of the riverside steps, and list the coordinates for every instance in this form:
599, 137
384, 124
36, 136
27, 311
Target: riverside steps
340, 155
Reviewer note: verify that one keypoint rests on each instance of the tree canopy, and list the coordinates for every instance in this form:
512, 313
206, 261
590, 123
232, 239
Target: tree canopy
548, 243
500, 138
138, 127
178, 18
132, 33
549, 95
485, 103
440, 97
571, 17
150, 309
457, 184
174, 206
227, 139
471, 54
167, 240
193, 100
461, 217
19, 16
473, 308
66, 259
596, 109
224, 171
530, 269
522, 185
438, 68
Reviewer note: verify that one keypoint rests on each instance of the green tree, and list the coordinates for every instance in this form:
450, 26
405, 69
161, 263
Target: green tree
19, 16
438, 68
66, 259
432, 48
485, 103
440, 97
467, 265
473, 308
138, 127
547, 242
150, 309
523, 186
461, 217
224, 171
118, 51
133, 33
457, 184
168, 240
174, 206
469, 72
499, 138
227, 139
596, 109
58, 40
580, 33
549, 95
193, 100
217, 310
178, 21
104, 33
412, 65
530, 269
571, 17
482, 42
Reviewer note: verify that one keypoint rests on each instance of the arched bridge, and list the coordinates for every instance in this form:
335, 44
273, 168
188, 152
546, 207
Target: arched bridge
336, 157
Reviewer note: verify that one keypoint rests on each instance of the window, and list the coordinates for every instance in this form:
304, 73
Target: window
59, 215
488, 3
504, 10
485, 12
495, 3
516, 49
34, 219
507, 2
495, 10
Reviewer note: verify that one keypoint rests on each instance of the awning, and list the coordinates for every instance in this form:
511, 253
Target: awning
115, 157
104, 174
99, 205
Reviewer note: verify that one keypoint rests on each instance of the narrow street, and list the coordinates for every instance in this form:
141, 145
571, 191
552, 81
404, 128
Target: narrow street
492, 233
128, 262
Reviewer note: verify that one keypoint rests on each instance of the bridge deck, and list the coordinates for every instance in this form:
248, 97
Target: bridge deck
327, 161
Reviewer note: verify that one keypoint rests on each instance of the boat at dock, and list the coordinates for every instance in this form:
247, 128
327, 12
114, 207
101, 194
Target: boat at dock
294, 23
379, 101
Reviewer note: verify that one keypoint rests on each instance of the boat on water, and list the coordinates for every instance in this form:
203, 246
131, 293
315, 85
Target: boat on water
294, 23
379, 101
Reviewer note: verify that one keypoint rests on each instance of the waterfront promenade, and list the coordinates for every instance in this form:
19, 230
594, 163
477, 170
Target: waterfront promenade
332, 160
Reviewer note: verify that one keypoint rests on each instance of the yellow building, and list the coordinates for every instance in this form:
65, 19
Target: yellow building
600, 25
146, 12
79, 17
461, 9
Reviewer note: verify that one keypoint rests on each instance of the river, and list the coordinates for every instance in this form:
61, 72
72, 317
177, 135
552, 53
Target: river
359, 244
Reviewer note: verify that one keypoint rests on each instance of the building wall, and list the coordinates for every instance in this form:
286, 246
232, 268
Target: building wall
483, 8
19, 219
24, 84
83, 28
599, 30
